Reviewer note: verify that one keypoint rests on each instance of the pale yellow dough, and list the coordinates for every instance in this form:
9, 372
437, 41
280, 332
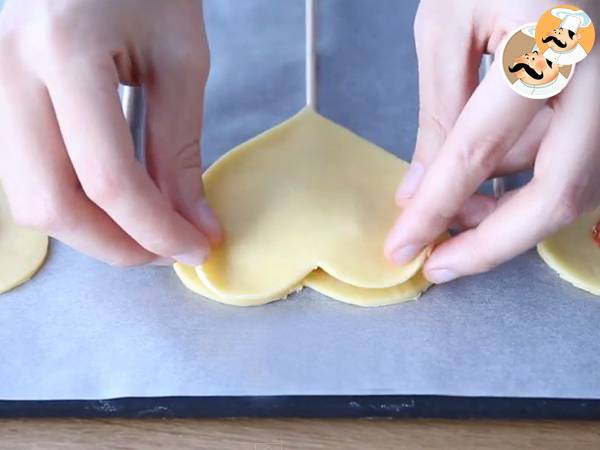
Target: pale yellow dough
411, 289
189, 278
326, 285
574, 255
306, 194
22, 252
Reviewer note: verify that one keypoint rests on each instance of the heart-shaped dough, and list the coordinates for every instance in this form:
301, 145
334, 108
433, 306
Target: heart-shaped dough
22, 252
321, 282
573, 253
306, 194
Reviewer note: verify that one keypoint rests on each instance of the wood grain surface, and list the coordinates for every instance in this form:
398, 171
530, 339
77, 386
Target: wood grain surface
291, 434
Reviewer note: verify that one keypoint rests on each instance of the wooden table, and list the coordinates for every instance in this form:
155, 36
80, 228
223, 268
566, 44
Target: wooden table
292, 434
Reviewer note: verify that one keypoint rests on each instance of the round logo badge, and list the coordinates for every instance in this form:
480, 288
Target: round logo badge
528, 71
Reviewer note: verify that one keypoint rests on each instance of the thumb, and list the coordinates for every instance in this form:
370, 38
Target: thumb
174, 112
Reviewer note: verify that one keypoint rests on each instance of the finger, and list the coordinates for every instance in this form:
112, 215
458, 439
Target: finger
562, 188
512, 228
102, 153
474, 210
448, 75
522, 155
476, 145
175, 98
41, 185
478, 207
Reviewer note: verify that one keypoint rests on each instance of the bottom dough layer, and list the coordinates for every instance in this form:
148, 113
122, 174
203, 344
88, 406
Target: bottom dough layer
573, 254
22, 251
321, 282
411, 289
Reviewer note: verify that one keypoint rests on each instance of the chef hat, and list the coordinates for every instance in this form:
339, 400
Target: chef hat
572, 20
529, 30
571, 23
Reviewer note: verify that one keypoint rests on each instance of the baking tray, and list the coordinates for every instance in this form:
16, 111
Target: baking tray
516, 342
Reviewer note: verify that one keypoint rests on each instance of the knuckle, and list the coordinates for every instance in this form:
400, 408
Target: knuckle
433, 122
189, 157
485, 260
59, 37
62, 42
193, 60
482, 258
197, 66
45, 215
103, 188
480, 157
162, 247
568, 205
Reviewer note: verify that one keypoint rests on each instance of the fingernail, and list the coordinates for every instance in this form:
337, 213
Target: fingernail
210, 222
193, 259
405, 254
411, 180
162, 261
439, 276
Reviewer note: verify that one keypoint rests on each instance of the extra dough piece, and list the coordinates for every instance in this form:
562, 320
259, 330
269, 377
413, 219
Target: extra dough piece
22, 252
574, 255
321, 282
306, 194
327, 285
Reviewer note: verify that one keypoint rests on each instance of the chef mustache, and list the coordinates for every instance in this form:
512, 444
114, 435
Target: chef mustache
556, 41
530, 71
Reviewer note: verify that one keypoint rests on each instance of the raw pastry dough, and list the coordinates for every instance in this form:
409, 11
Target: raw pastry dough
189, 278
573, 253
321, 282
411, 289
306, 194
22, 251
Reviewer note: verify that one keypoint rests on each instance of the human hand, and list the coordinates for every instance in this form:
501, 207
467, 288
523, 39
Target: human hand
469, 133
68, 164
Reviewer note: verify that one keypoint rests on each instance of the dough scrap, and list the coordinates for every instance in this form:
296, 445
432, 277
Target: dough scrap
574, 255
22, 251
411, 289
304, 195
323, 283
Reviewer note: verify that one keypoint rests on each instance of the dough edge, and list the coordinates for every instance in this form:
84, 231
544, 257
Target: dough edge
564, 271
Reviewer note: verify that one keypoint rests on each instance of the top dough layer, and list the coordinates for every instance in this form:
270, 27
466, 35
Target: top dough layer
305, 194
22, 251
573, 253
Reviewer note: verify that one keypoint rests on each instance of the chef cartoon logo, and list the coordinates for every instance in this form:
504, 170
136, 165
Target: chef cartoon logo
565, 35
528, 71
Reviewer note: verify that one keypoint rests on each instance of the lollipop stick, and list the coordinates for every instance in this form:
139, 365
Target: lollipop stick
133, 107
499, 183
311, 55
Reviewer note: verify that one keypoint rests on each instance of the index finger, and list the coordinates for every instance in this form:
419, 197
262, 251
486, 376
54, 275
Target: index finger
100, 146
490, 124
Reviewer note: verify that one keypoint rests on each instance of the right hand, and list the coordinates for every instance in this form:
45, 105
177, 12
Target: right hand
68, 164
470, 133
